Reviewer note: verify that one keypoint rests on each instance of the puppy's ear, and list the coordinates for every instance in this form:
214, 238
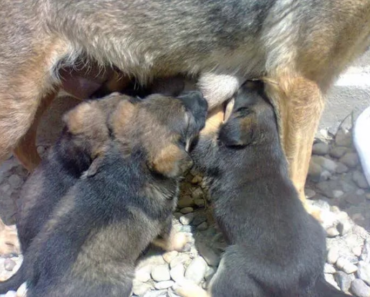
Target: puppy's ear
171, 161
238, 132
80, 117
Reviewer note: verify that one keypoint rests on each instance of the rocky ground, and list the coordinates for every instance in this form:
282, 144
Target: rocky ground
335, 184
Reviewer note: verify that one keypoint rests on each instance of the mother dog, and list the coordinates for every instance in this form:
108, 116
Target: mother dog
300, 45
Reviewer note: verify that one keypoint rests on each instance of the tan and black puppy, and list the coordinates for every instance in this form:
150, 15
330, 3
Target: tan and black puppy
95, 234
276, 249
84, 138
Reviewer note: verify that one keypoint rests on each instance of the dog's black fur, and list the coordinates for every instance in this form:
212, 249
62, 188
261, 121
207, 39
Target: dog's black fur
89, 245
276, 248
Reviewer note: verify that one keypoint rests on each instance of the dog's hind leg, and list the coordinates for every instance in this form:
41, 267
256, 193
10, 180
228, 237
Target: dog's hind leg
299, 104
26, 151
25, 78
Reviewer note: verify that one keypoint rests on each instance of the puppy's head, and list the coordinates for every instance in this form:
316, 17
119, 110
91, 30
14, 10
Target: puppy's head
163, 128
250, 119
87, 127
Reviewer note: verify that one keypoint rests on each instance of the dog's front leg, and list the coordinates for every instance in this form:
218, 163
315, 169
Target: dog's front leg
217, 88
299, 104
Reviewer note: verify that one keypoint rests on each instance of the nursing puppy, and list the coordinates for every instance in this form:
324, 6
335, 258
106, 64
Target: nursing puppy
276, 248
97, 231
84, 137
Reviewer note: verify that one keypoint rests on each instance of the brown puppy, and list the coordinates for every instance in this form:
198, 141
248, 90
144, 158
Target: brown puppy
90, 242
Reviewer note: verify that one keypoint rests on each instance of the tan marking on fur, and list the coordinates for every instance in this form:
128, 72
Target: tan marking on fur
166, 161
214, 121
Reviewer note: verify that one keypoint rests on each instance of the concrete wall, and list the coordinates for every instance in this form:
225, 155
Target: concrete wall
351, 93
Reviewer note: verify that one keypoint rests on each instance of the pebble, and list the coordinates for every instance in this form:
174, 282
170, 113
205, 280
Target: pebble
169, 256
143, 274
328, 268
309, 193
343, 139
333, 255
199, 219
177, 273
332, 232
15, 181
360, 180
202, 227
208, 254
341, 168
344, 280
314, 172
196, 179
357, 251
161, 293
346, 266
164, 285
9, 264
350, 268
330, 279
199, 202
196, 270
337, 152
182, 258
360, 289
338, 193
363, 271
161, 273
187, 219
186, 201
350, 160
325, 163
140, 288
320, 148
198, 194
186, 210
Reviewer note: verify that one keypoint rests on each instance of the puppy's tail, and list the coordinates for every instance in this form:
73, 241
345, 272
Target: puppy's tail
13, 283
324, 289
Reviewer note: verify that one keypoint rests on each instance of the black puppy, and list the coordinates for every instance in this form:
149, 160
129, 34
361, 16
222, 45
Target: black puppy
276, 248
95, 234
84, 138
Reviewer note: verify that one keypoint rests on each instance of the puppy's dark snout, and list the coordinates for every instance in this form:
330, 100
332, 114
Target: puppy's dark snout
197, 105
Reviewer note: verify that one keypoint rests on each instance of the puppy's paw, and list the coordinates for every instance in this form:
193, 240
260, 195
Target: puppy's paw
9, 243
189, 289
179, 242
